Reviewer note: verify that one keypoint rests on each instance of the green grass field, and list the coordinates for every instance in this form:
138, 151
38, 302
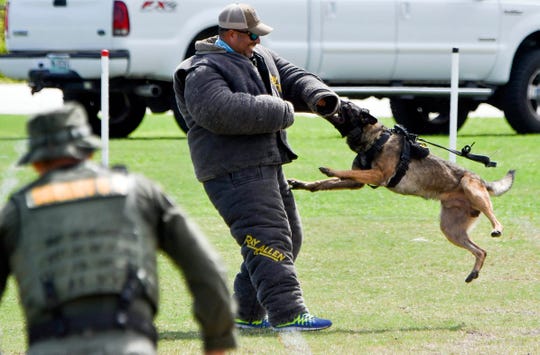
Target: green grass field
374, 262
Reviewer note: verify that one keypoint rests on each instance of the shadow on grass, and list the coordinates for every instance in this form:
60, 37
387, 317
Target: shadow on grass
178, 335
268, 333
155, 138
12, 138
450, 328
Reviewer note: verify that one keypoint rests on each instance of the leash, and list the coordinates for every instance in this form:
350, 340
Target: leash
466, 153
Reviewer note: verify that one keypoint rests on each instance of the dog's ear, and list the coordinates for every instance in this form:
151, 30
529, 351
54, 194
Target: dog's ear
357, 115
368, 118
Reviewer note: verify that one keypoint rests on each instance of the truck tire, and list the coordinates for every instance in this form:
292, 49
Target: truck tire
521, 100
126, 112
427, 115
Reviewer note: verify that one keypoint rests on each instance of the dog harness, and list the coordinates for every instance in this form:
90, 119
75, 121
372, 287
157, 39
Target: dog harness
363, 160
403, 164
410, 149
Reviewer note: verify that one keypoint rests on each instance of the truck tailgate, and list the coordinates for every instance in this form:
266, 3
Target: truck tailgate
58, 25
63, 37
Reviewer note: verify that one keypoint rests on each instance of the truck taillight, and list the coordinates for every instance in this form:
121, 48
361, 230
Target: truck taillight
120, 19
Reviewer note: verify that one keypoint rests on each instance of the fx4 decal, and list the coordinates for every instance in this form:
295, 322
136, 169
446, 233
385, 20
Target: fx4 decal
159, 6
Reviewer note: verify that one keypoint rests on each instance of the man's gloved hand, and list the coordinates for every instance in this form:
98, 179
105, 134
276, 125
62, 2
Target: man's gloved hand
349, 117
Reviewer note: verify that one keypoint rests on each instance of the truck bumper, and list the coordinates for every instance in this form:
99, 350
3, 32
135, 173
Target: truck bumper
65, 66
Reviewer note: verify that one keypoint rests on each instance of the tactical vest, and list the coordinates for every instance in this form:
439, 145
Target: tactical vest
80, 238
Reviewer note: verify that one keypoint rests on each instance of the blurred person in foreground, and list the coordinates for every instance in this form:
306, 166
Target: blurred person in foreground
82, 243
238, 98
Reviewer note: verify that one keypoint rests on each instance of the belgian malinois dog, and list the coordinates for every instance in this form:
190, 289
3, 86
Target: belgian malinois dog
390, 158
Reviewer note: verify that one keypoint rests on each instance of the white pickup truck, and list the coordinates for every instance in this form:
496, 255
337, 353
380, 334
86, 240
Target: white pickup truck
399, 49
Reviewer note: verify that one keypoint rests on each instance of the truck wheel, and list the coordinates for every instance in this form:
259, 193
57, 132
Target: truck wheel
126, 112
427, 116
521, 100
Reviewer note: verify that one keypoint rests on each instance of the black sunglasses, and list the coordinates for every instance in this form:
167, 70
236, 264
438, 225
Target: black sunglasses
251, 35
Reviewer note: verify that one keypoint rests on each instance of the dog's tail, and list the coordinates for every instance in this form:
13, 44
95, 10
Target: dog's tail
499, 187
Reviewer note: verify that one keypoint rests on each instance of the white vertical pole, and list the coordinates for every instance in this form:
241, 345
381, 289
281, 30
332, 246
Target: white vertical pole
454, 94
105, 107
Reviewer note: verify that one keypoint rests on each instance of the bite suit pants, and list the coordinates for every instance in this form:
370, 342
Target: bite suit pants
260, 210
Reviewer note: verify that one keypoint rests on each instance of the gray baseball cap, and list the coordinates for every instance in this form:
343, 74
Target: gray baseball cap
242, 17
59, 133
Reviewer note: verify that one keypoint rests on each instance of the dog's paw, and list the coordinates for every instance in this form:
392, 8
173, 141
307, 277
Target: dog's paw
496, 233
473, 275
326, 171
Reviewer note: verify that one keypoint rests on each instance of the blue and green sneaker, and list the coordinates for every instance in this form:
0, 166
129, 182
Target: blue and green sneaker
255, 324
304, 322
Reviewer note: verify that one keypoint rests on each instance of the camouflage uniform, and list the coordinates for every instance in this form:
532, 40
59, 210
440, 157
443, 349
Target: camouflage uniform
82, 241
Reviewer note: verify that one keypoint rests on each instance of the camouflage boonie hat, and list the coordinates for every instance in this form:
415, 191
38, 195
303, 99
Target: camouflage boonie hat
60, 133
